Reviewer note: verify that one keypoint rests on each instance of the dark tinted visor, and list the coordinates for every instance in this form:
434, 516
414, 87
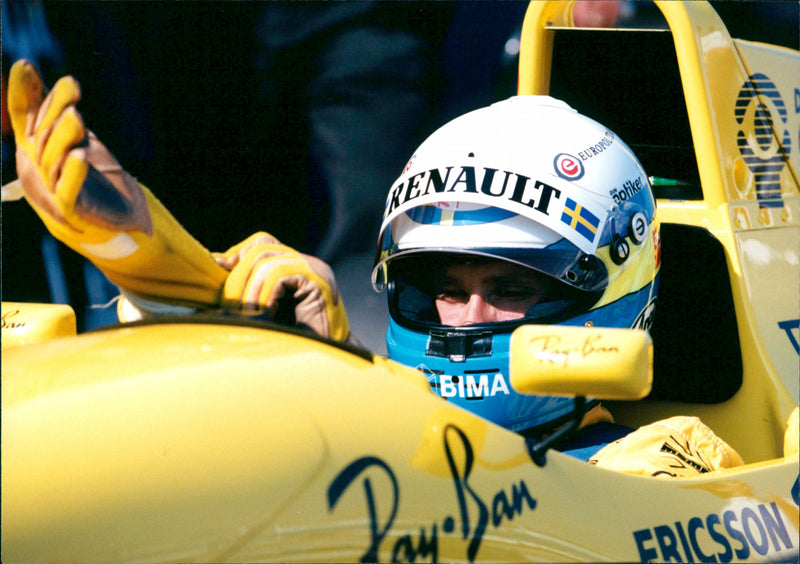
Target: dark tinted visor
417, 280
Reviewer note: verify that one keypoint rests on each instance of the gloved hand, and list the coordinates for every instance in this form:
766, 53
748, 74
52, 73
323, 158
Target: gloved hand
267, 277
678, 447
91, 204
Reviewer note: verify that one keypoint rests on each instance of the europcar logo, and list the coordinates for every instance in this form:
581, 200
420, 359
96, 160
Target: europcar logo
568, 167
409, 163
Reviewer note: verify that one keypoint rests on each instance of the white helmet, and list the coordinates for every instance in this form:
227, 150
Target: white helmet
530, 181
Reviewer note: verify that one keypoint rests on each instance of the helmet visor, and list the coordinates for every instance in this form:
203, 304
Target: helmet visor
421, 286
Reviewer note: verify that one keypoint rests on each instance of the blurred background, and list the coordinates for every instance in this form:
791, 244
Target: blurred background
289, 117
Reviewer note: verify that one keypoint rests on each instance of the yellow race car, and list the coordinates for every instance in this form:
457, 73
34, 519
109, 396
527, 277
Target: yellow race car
220, 439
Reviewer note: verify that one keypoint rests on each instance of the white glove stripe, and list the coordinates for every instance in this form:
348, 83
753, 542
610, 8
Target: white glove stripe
120, 246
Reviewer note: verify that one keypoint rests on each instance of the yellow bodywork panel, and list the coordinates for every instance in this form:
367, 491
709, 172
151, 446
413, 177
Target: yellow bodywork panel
214, 442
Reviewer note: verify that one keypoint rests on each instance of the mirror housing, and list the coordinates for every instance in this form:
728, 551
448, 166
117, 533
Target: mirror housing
601, 363
28, 323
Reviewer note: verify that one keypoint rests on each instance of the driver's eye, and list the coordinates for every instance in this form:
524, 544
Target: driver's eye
452, 295
515, 291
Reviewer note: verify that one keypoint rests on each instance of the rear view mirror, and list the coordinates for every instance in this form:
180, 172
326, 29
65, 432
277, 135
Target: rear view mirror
592, 362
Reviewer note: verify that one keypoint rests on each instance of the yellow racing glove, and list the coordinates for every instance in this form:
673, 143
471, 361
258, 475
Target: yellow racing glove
91, 204
678, 447
268, 277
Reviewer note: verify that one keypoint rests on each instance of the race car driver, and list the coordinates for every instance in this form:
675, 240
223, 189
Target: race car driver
527, 212
521, 212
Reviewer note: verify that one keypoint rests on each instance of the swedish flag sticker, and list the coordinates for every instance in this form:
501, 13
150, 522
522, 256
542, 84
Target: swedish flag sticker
580, 219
